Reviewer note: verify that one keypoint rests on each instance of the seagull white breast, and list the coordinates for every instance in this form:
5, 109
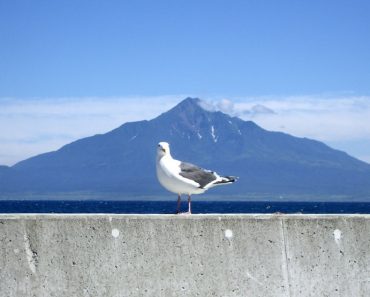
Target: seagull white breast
168, 173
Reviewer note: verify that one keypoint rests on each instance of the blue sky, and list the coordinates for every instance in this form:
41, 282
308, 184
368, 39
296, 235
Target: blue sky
59, 59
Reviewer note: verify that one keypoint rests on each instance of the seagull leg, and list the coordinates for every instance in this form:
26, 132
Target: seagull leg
178, 203
189, 204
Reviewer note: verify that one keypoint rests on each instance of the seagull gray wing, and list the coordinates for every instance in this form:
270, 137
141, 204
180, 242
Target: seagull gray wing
201, 176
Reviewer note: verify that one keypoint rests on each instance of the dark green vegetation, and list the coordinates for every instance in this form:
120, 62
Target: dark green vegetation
123, 160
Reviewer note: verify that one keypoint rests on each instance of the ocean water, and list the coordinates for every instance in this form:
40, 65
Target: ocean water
169, 207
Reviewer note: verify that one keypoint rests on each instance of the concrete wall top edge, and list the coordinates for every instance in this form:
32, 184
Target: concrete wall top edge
181, 217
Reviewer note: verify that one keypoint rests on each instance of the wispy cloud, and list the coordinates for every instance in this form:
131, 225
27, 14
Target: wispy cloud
323, 118
34, 126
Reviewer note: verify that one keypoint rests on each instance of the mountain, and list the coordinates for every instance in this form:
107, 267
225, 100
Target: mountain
123, 160
3, 170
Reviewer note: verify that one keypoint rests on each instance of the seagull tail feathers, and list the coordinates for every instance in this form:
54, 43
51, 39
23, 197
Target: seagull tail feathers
226, 180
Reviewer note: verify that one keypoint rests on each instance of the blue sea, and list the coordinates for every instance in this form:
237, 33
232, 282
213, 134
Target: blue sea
169, 207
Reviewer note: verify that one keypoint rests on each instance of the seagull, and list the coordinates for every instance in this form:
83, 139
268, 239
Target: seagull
184, 178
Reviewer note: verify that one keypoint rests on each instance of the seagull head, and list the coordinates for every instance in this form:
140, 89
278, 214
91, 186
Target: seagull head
163, 149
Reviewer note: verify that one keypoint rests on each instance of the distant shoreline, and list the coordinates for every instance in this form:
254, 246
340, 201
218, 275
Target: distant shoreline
78, 196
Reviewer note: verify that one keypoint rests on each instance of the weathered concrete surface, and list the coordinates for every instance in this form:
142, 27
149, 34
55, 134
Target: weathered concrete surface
198, 255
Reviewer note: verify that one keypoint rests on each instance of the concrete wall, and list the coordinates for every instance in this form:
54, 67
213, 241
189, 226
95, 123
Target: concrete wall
198, 255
